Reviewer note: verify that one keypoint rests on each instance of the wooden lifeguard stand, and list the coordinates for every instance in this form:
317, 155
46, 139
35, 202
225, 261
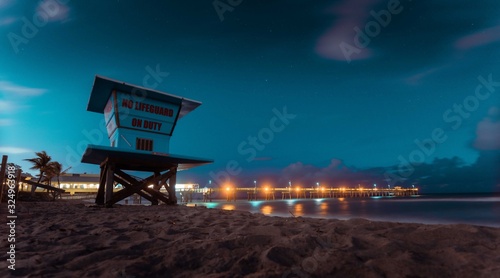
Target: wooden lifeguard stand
139, 124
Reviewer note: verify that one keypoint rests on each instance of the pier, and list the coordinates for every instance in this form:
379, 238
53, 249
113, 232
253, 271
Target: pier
268, 193
77, 186
279, 193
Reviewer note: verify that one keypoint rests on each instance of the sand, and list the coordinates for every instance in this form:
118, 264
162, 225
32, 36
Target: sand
71, 239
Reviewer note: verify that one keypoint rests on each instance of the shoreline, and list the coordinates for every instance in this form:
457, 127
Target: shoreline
68, 238
433, 211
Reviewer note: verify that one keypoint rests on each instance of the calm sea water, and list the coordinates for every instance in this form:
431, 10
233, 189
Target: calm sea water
477, 209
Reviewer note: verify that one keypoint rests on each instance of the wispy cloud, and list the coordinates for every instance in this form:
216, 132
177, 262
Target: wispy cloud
5, 21
18, 90
7, 106
480, 38
4, 105
6, 122
14, 150
4, 3
54, 10
488, 131
263, 158
307, 174
417, 78
349, 14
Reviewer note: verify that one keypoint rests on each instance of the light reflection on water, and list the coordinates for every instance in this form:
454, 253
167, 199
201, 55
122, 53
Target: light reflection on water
298, 210
475, 210
256, 203
228, 207
267, 209
211, 205
323, 208
343, 205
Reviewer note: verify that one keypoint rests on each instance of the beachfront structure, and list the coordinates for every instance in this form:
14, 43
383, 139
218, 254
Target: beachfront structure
139, 123
78, 181
137, 118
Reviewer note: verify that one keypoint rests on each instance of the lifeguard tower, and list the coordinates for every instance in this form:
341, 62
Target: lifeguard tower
139, 122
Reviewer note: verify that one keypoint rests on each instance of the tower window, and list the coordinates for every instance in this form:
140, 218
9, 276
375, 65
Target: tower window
144, 144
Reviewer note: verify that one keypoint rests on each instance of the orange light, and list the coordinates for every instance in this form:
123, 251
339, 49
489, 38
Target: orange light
228, 188
266, 189
298, 188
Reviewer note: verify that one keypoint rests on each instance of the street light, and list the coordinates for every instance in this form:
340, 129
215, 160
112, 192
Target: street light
255, 184
317, 184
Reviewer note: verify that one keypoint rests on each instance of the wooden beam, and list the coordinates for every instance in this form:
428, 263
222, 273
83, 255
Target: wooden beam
2, 175
104, 163
171, 185
18, 181
109, 183
128, 178
152, 179
44, 186
158, 184
99, 199
158, 195
143, 185
130, 188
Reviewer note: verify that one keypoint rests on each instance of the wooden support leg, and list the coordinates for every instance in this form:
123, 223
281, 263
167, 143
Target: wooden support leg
109, 184
18, 181
3, 169
171, 186
102, 183
157, 185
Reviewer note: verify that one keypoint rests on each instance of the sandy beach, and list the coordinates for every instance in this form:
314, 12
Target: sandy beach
75, 239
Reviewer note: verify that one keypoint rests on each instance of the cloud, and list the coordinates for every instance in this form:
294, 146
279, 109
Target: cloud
6, 122
7, 106
10, 88
480, 38
349, 14
416, 78
263, 158
14, 150
5, 3
7, 21
54, 10
308, 175
488, 131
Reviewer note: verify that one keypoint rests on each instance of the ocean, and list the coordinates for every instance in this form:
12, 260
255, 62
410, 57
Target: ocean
476, 209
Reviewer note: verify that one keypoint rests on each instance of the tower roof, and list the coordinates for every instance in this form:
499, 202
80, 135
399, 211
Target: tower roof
103, 87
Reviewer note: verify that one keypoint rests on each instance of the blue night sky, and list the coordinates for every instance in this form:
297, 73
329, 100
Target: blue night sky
360, 80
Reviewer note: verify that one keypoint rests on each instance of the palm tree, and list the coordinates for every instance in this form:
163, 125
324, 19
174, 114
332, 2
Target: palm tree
39, 163
54, 169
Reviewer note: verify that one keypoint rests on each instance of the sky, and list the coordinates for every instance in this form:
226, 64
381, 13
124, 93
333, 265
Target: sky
335, 92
